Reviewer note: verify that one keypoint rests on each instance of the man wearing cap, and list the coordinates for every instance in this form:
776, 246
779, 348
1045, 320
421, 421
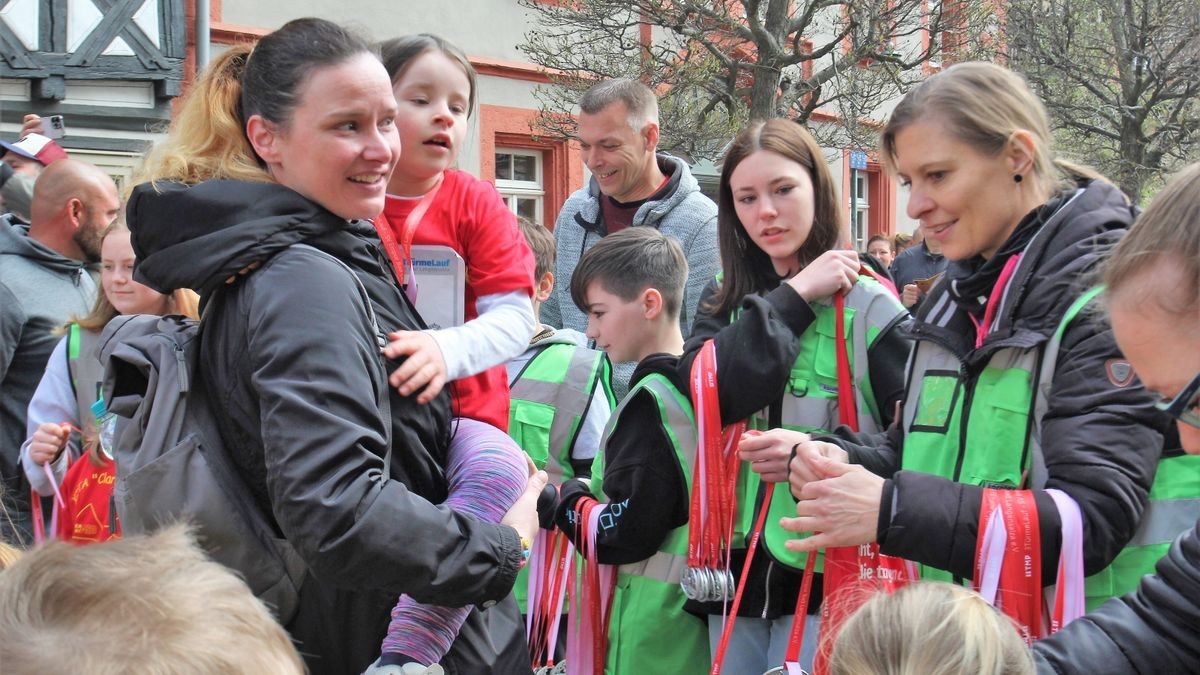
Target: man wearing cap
46, 277
25, 160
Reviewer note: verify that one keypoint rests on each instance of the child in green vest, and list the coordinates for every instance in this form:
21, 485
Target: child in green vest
630, 285
561, 394
560, 401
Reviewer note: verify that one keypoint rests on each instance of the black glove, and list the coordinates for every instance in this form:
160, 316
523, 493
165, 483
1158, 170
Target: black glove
547, 503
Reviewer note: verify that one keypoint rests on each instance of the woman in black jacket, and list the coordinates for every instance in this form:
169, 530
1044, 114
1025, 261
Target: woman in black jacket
1004, 389
292, 352
1153, 281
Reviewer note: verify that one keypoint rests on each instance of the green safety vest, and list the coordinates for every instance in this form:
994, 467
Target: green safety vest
810, 403
86, 374
648, 630
977, 444
549, 400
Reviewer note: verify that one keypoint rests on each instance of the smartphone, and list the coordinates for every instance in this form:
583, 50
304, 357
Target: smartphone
53, 126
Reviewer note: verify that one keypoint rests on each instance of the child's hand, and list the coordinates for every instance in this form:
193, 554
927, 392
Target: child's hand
48, 442
424, 368
831, 272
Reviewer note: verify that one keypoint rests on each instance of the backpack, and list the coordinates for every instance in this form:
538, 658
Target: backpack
172, 464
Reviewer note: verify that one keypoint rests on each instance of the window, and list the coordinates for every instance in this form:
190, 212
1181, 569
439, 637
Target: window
860, 209
519, 181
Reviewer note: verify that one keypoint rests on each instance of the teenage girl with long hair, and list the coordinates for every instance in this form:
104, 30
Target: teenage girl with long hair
771, 314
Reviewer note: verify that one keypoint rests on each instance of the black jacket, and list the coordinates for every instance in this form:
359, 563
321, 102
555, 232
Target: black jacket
1151, 631
293, 363
1101, 440
760, 347
642, 478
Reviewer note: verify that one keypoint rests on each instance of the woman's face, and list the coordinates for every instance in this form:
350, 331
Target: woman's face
882, 251
773, 198
116, 278
341, 144
432, 98
1163, 353
963, 198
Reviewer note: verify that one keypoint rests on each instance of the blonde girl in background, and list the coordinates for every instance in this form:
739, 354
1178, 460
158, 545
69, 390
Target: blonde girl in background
71, 385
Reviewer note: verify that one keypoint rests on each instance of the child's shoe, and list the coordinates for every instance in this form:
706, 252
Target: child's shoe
407, 669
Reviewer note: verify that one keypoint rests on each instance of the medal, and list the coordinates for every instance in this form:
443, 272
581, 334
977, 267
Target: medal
691, 583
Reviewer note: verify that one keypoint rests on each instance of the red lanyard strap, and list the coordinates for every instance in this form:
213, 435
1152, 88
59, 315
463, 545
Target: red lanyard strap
713, 500
993, 304
727, 631
1008, 558
400, 252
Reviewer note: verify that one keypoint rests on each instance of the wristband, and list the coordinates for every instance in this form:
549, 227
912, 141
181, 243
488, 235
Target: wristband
526, 548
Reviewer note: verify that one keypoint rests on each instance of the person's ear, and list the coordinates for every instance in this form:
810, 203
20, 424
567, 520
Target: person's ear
1020, 152
652, 303
75, 211
264, 138
545, 286
650, 135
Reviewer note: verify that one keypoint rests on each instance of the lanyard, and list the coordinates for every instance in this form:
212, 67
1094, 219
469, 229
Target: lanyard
1008, 560
547, 589
714, 475
1069, 584
400, 251
982, 328
727, 629
587, 624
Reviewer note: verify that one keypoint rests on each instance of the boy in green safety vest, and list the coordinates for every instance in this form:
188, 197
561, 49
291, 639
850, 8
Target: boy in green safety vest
560, 394
630, 285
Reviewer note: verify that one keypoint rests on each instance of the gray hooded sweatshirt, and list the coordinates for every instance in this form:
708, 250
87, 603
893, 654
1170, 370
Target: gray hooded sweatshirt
39, 291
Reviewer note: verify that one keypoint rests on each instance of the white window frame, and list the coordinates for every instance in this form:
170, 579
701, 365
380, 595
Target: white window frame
514, 190
860, 223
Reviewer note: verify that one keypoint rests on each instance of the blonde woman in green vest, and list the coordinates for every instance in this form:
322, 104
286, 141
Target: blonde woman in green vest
1153, 297
1013, 382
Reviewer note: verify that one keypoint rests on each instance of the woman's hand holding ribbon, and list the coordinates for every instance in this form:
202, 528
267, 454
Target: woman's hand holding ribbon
841, 507
800, 471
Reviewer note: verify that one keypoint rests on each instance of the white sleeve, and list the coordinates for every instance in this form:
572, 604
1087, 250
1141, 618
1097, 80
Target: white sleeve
591, 429
501, 331
53, 402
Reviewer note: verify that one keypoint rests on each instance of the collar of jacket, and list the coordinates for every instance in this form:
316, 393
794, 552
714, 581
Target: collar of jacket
651, 212
1059, 263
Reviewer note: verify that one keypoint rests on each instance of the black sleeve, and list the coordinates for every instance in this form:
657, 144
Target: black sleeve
887, 359
324, 443
760, 347
1152, 630
1101, 443
644, 484
877, 452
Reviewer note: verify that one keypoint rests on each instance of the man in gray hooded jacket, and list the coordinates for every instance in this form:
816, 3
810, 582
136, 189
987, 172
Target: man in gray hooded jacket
45, 279
631, 186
